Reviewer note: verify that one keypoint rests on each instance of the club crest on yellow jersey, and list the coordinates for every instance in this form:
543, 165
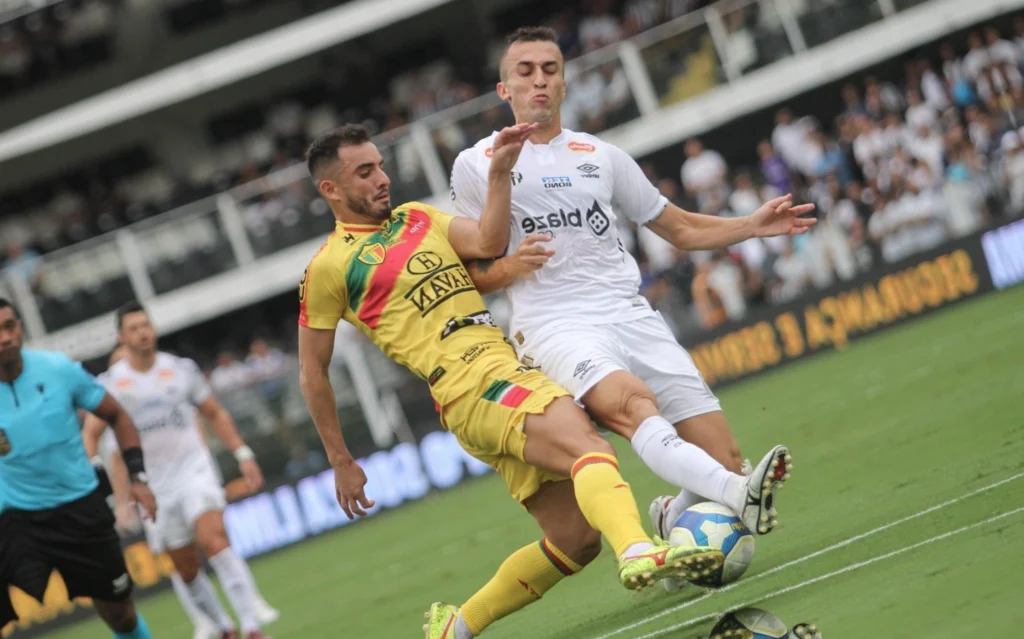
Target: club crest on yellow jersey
373, 254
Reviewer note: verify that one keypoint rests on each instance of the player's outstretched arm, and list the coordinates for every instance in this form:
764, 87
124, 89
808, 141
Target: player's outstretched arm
316, 347
495, 274
489, 236
694, 231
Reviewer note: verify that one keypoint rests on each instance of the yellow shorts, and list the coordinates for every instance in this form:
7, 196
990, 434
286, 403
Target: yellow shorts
488, 420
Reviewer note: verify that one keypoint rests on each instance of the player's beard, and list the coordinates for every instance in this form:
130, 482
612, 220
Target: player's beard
370, 209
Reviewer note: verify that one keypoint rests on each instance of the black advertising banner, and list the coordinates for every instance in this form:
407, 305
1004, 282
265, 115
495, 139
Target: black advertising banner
885, 297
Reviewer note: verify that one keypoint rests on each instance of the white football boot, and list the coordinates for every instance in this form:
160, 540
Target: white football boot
759, 512
265, 613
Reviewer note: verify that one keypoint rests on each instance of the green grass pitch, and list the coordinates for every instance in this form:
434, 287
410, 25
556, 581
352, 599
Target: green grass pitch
926, 415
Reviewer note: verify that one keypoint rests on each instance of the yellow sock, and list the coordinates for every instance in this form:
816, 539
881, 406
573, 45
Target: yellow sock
523, 578
607, 501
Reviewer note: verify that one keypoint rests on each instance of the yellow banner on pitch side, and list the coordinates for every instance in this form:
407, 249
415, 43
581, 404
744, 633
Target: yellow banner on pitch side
831, 321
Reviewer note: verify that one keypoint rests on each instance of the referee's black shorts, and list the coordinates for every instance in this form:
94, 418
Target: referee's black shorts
77, 539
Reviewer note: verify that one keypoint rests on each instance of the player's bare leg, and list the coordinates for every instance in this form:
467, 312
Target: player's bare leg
625, 405
234, 576
188, 565
569, 544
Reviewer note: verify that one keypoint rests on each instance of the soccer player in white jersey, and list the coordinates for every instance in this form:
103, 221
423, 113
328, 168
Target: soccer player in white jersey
576, 309
162, 393
203, 626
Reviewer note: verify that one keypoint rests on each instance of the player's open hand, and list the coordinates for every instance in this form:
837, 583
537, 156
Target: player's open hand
349, 482
143, 496
508, 145
531, 255
251, 473
780, 217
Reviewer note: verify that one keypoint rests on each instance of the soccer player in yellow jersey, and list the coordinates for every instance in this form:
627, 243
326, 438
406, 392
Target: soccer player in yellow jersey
398, 276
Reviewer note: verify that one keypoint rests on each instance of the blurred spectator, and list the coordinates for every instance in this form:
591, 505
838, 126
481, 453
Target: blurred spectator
23, 263
703, 173
1013, 170
600, 27
230, 374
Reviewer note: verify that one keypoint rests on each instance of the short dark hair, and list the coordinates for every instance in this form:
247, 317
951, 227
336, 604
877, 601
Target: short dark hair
126, 309
323, 151
526, 34
5, 303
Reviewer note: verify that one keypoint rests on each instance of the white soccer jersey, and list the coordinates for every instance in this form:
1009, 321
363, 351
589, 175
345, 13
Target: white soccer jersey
574, 189
162, 404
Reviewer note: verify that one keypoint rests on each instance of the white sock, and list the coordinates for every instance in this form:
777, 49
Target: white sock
637, 548
203, 596
680, 463
255, 588
195, 615
685, 499
462, 630
239, 587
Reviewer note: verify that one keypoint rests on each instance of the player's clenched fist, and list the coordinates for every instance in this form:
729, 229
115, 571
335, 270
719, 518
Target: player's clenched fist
531, 255
349, 480
508, 145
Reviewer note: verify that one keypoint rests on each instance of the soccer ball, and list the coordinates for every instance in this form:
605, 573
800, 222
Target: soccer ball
749, 623
714, 525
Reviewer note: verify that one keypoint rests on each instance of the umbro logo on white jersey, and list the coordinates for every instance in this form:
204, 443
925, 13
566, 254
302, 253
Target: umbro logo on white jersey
588, 170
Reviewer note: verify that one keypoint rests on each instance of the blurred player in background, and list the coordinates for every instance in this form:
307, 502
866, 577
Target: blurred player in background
53, 511
127, 519
398, 276
162, 392
576, 309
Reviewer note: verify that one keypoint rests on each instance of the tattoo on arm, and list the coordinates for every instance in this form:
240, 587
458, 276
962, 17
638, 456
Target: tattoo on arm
484, 265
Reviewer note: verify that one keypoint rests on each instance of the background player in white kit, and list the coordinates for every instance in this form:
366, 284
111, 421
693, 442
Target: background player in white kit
576, 309
127, 519
162, 393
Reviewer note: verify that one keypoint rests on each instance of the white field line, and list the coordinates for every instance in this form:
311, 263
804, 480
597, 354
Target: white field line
813, 555
835, 573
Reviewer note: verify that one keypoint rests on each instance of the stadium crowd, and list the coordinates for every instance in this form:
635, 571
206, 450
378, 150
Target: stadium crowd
252, 140
907, 164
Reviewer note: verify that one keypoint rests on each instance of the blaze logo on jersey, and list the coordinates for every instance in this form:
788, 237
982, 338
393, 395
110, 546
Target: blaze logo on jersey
581, 147
373, 254
443, 284
594, 217
5, 444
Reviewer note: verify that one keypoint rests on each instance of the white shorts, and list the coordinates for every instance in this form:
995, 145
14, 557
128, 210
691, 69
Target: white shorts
177, 513
578, 356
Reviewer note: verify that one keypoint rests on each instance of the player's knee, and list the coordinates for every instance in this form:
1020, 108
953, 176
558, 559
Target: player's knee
592, 442
623, 415
187, 570
214, 542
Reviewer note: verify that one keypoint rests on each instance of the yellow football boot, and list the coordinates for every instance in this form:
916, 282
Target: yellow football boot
664, 561
440, 621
